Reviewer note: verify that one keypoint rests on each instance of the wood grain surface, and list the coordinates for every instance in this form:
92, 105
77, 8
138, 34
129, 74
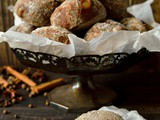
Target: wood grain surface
133, 94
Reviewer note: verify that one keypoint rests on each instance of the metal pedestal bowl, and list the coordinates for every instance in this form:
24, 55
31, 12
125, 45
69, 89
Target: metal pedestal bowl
82, 94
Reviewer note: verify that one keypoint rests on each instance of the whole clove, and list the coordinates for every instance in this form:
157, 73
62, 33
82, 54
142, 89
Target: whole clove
16, 116
30, 105
45, 94
13, 86
13, 100
10, 87
47, 103
23, 86
9, 103
5, 111
10, 80
20, 98
30, 95
39, 75
27, 89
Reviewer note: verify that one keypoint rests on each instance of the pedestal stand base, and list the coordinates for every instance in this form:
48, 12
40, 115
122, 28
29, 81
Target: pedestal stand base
72, 98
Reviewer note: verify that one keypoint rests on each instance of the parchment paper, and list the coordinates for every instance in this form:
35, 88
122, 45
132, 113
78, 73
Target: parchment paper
124, 113
38, 44
143, 12
121, 41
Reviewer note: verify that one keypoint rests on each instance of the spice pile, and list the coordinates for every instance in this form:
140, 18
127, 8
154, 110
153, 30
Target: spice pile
11, 81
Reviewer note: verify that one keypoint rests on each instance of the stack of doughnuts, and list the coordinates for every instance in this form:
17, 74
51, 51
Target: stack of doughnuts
55, 19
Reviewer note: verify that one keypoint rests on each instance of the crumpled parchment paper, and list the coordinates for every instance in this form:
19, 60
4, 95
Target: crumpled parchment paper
124, 113
143, 11
121, 41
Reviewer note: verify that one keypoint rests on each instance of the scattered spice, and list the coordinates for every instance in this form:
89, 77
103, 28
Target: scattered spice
30, 105
20, 98
10, 87
8, 97
39, 75
13, 86
13, 100
27, 89
5, 111
16, 116
23, 86
10, 80
47, 103
30, 95
45, 94
9, 103
13, 80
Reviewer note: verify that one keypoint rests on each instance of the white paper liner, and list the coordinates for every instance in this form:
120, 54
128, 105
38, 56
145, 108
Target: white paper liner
143, 11
124, 113
113, 42
107, 42
38, 44
17, 19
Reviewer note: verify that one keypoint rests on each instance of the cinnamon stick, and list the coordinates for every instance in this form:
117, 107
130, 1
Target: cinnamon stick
24, 72
3, 82
20, 76
47, 85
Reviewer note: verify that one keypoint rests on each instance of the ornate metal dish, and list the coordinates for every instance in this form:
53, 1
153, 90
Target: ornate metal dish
79, 64
83, 94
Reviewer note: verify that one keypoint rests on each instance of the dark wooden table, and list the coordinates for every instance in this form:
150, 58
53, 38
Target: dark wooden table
40, 111
143, 97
